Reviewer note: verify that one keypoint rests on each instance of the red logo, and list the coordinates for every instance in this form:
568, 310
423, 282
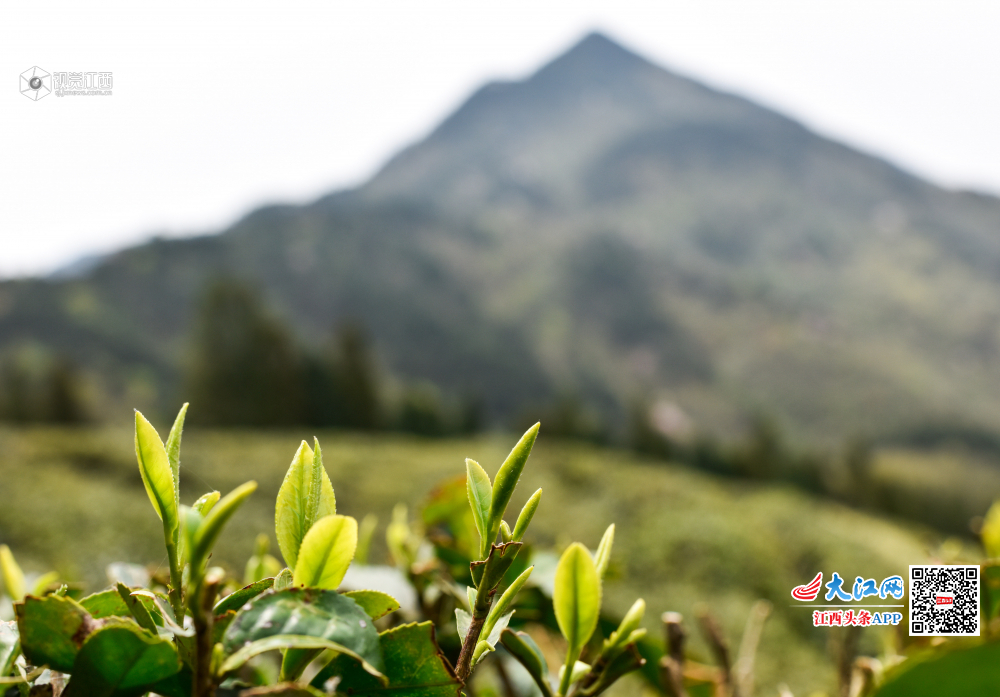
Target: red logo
810, 590
944, 600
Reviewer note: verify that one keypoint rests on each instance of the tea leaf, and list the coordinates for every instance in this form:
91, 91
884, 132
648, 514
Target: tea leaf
237, 599
310, 613
52, 630
305, 496
10, 571
173, 448
506, 479
206, 502
603, 554
155, 470
524, 518
576, 599
326, 552
211, 526
500, 607
414, 666
376, 604
480, 497
121, 659
526, 651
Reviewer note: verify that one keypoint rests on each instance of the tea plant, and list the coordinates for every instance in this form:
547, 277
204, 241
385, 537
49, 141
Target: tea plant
186, 637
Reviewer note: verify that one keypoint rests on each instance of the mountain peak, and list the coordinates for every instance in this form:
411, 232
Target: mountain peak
594, 56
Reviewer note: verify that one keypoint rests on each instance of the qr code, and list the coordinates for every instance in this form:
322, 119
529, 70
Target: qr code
944, 600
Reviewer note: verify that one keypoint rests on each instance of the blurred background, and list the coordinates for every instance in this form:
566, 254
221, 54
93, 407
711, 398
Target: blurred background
742, 261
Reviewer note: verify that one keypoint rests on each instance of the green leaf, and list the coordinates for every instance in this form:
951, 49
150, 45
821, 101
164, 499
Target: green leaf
10, 647
237, 599
480, 498
501, 606
579, 670
505, 533
414, 664
376, 604
177, 685
211, 526
157, 476
292, 642
43, 583
490, 572
603, 554
625, 662
52, 630
522, 647
121, 659
326, 552
136, 608
629, 624
305, 496
524, 518
206, 502
576, 599
506, 479
173, 448
13, 577
307, 612
970, 672
283, 580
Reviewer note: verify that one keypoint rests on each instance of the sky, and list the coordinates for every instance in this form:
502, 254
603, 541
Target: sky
216, 108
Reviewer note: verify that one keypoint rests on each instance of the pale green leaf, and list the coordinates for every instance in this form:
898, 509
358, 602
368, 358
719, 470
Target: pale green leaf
157, 476
376, 604
173, 448
506, 479
501, 606
211, 526
13, 577
305, 496
524, 518
326, 552
579, 670
577, 597
480, 496
603, 554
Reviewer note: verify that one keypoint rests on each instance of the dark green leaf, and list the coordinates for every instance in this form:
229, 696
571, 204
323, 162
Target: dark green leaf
52, 630
237, 599
375, 603
496, 565
306, 612
414, 664
506, 479
522, 647
121, 659
220, 624
970, 672
295, 642
624, 663
177, 685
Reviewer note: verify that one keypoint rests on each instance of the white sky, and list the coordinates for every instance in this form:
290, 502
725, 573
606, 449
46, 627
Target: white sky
219, 107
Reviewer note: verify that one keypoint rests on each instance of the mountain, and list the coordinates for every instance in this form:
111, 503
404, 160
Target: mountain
604, 228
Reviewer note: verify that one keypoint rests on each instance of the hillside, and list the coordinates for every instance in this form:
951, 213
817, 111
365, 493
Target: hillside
682, 537
605, 228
